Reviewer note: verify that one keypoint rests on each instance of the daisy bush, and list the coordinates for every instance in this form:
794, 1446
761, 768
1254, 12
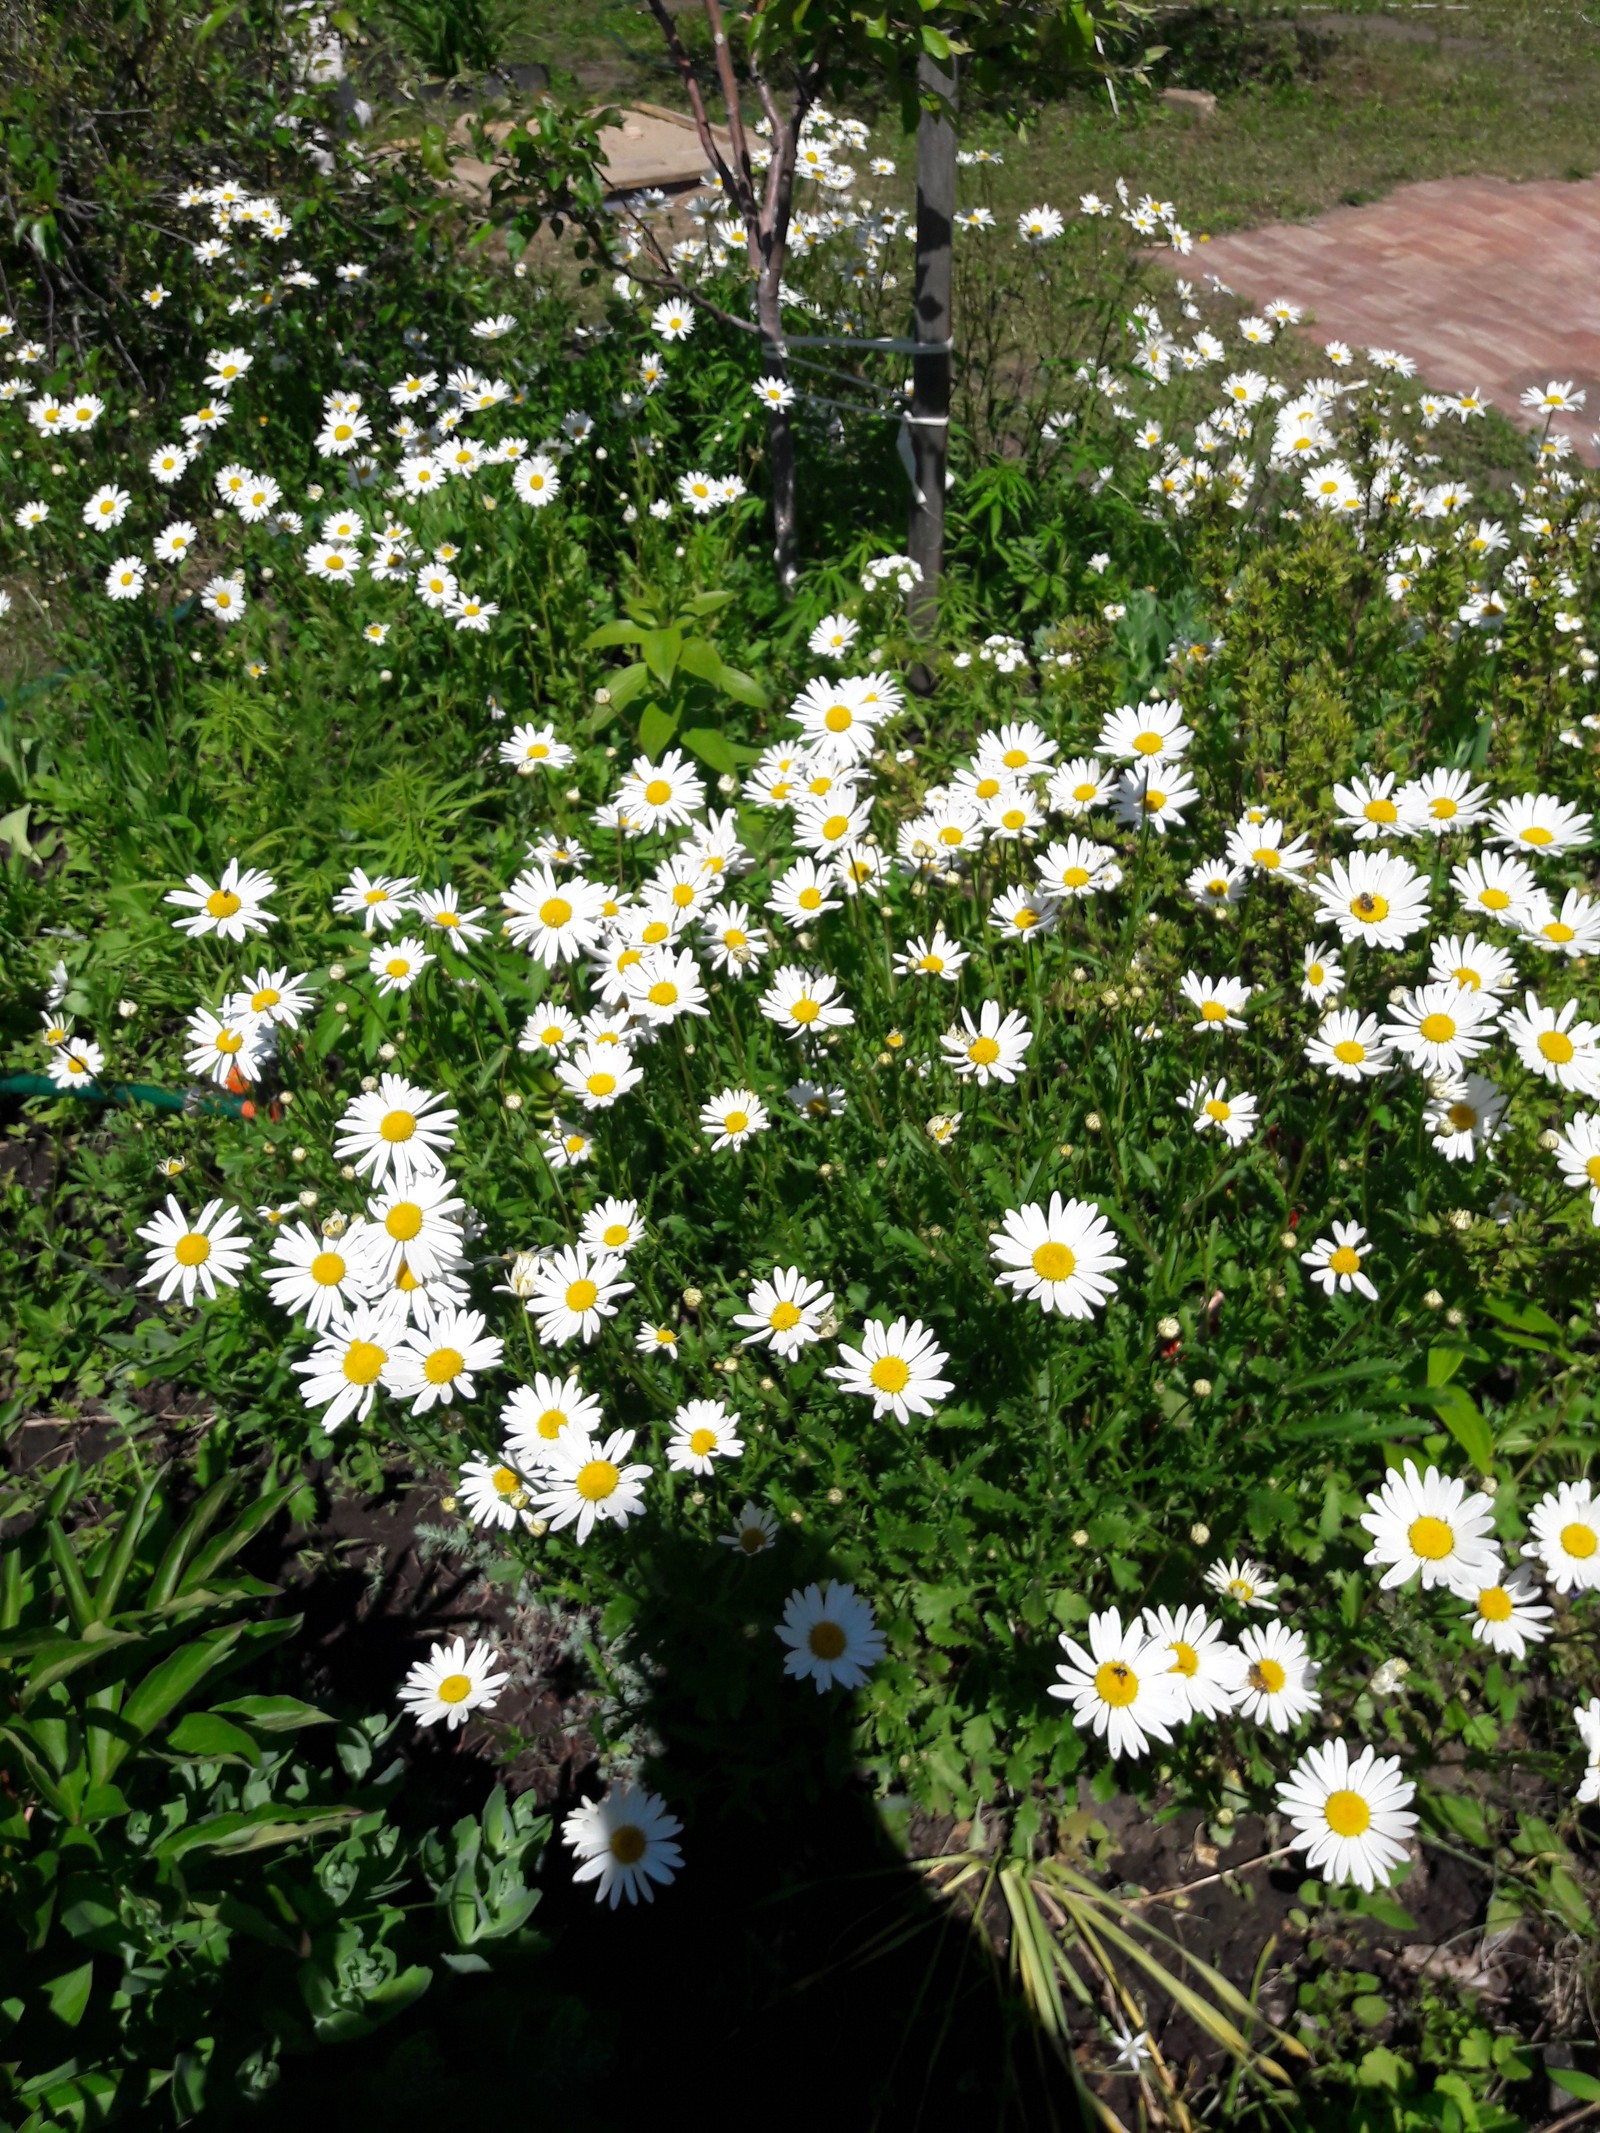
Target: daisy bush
1062, 1203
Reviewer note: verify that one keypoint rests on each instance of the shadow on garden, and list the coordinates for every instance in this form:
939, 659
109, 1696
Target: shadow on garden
797, 1949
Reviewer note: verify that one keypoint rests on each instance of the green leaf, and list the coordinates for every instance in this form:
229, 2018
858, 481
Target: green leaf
656, 728
625, 686
661, 650
713, 749
743, 687
120, 1560
74, 1589
275, 1714
255, 1830
206, 1734
613, 633
69, 1994
1464, 1419
1584, 2086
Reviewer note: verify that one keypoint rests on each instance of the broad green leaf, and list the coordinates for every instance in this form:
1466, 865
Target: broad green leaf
656, 728
275, 1714
1584, 2086
613, 633
661, 650
207, 1734
69, 1994
712, 748
624, 686
257, 1830
1465, 1421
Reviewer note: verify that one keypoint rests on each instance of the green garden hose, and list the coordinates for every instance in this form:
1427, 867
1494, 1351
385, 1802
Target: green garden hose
121, 1092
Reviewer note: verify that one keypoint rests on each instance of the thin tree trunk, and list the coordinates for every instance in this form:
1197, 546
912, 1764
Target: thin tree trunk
780, 438
930, 399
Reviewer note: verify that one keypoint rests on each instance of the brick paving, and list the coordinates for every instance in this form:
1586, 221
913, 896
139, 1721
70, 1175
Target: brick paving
1484, 282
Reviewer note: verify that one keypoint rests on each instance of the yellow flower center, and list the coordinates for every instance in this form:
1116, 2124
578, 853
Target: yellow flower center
362, 1362
835, 826
1084, 793
614, 1236
554, 911
1346, 1813
1147, 743
1536, 833
663, 993
398, 966
1370, 907
1463, 1117
1116, 1683
602, 1084
827, 1640
804, 1011
1558, 933
192, 1249
1556, 1046
931, 963
627, 1845
752, 1540
1267, 1675
1494, 1604
1349, 1052
229, 1041
552, 1422
1185, 1659
1055, 1262
1442, 808
983, 1051
1215, 1108
1345, 1261
597, 1480
1438, 1029
397, 1126
222, 903
455, 1688
444, 1366
268, 996
1494, 899
1430, 1538
1213, 1011
703, 1441
1579, 1540
404, 1221
736, 1122
582, 1296
1267, 856
890, 1374
1154, 801
505, 1481
327, 1270
1075, 877
809, 899
405, 1281
837, 718
658, 792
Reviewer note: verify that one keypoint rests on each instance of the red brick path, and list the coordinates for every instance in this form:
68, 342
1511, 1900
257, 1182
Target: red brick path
1485, 283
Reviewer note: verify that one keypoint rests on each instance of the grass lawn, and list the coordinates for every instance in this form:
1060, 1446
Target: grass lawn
1315, 106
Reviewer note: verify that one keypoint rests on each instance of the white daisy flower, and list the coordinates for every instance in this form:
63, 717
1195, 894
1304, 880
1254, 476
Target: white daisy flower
832, 1635
316, 1276
451, 1683
1278, 1687
1242, 1580
354, 1356
1505, 1613
437, 1366
1429, 1523
703, 1431
1214, 1110
1350, 1813
574, 1291
397, 1129
232, 910
1566, 1537
1123, 1687
587, 1479
896, 1367
1336, 1261
624, 1844
786, 1311
990, 1049
1058, 1258
185, 1255
536, 1415
754, 1531
733, 1117
1207, 1672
